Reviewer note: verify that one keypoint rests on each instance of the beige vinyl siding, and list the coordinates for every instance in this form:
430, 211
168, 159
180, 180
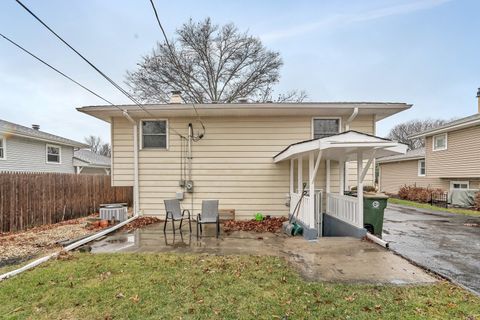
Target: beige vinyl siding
394, 175
232, 163
462, 157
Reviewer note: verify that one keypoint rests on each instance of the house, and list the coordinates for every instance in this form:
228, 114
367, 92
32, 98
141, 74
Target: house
449, 161
253, 157
25, 149
86, 161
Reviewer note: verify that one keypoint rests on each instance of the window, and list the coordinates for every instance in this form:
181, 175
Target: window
421, 168
325, 128
440, 142
2, 148
154, 134
53, 154
459, 185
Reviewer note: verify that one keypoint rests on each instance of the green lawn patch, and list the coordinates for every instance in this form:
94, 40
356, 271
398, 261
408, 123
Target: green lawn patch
174, 286
430, 207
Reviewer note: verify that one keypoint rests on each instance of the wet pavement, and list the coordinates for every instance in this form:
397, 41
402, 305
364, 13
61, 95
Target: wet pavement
327, 259
448, 244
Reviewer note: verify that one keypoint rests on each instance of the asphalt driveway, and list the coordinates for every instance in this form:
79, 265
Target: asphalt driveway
446, 243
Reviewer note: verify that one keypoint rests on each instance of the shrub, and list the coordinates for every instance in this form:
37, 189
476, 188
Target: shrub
365, 189
477, 201
418, 194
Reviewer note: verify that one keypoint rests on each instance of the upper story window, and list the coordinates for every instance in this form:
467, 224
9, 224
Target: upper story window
440, 142
325, 127
53, 153
421, 168
154, 134
2, 148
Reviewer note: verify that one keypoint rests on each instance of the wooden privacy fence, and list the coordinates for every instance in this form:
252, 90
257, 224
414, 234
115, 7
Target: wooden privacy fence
33, 199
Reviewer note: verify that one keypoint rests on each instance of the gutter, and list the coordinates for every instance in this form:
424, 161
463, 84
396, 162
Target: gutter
351, 118
136, 194
70, 247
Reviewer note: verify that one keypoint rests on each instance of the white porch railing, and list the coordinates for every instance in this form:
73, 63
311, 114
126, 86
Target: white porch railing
306, 209
344, 208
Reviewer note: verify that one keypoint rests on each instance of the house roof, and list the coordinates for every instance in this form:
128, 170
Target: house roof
451, 126
26, 132
92, 158
344, 146
381, 110
415, 154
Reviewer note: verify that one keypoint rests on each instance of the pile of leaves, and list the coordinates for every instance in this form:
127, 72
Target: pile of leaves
418, 194
140, 223
266, 225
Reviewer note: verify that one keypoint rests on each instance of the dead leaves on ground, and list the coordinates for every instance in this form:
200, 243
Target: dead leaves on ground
140, 223
267, 225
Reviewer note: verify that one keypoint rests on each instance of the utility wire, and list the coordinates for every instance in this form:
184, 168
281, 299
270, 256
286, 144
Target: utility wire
128, 95
58, 71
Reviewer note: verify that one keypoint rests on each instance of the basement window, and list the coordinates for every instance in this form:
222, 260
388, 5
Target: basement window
459, 185
421, 168
325, 127
154, 134
53, 154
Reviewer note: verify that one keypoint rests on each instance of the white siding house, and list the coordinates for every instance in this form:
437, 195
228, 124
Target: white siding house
24, 149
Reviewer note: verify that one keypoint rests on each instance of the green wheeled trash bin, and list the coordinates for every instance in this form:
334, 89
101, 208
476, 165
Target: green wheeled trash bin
373, 210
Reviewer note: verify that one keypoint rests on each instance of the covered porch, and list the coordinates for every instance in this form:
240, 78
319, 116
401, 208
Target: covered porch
343, 211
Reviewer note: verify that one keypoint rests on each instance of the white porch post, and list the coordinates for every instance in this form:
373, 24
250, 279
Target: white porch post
311, 178
327, 184
341, 168
300, 175
292, 167
360, 188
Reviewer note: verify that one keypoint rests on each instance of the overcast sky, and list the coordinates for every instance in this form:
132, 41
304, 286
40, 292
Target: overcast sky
423, 52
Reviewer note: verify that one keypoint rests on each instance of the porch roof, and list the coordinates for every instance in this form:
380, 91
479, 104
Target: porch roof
343, 146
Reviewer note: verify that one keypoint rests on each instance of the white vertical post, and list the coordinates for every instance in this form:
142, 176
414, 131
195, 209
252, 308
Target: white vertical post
327, 182
341, 169
311, 179
292, 167
300, 175
360, 188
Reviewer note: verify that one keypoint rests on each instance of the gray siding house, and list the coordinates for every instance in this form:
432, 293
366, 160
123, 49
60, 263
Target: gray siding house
24, 149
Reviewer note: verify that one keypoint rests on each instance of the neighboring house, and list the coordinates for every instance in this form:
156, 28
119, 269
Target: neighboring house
450, 159
86, 161
248, 155
24, 149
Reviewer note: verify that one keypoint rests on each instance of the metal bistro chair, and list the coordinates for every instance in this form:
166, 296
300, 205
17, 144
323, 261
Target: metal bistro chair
209, 215
174, 212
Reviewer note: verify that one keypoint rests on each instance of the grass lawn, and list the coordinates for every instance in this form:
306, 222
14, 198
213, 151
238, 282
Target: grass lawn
172, 286
427, 206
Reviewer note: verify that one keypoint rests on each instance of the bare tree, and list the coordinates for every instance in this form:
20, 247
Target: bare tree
402, 132
208, 63
96, 145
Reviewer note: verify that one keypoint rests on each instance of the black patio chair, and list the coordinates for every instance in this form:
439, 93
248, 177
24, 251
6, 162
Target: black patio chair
175, 213
209, 215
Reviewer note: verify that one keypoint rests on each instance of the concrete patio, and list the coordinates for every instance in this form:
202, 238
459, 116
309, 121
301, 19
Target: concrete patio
339, 259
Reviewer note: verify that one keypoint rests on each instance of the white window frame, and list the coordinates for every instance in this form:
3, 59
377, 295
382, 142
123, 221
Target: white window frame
340, 128
59, 153
420, 174
459, 182
3, 145
446, 142
167, 130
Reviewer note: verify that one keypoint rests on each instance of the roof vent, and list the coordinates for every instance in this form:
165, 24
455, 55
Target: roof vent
242, 100
176, 97
36, 127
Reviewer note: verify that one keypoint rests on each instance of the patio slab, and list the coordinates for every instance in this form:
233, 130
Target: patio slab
338, 259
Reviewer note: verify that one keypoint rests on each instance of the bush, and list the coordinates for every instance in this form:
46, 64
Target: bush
477, 201
366, 189
418, 194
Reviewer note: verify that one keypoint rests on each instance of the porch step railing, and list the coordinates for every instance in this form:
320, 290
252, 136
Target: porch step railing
344, 208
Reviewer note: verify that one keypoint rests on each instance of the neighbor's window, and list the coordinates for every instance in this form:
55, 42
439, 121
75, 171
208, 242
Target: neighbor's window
154, 134
53, 154
459, 184
2, 148
440, 142
421, 168
325, 127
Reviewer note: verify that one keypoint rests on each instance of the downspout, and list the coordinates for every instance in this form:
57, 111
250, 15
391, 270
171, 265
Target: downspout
351, 118
136, 194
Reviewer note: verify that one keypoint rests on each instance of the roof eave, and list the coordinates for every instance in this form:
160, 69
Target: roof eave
75, 144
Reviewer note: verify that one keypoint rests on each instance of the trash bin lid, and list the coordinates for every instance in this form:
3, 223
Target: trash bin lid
375, 196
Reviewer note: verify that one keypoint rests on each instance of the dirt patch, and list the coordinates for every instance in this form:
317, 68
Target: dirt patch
266, 225
140, 223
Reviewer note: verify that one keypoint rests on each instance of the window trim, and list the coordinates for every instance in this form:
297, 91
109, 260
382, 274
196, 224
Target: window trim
59, 153
312, 129
3, 145
420, 168
459, 182
446, 142
167, 135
